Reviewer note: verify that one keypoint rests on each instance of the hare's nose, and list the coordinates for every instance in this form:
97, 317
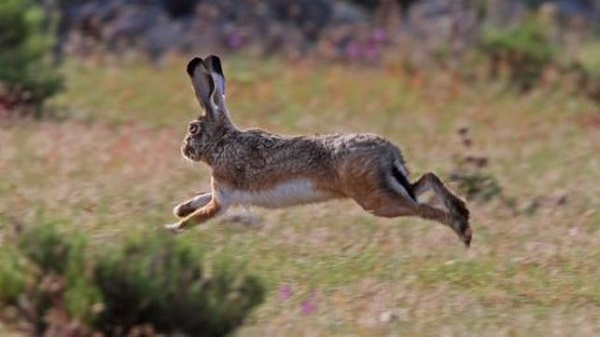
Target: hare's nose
188, 152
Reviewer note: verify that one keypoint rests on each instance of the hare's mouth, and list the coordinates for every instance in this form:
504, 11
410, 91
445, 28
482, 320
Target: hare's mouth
189, 152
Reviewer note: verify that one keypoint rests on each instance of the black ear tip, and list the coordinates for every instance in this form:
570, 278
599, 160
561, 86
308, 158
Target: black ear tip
193, 64
214, 62
213, 58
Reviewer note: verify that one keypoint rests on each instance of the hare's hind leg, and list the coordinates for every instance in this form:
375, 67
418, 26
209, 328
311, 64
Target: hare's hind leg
189, 206
457, 215
394, 202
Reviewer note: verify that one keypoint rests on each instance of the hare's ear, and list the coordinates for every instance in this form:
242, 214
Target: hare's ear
213, 63
203, 83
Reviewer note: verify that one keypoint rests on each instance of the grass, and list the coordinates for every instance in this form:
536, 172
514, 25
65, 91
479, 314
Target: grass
112, 166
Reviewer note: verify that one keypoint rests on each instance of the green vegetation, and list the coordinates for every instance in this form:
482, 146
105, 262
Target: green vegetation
12, 276
525, 50
27, 79
149, 280
586, 68
112, 167
160, 281
524, 54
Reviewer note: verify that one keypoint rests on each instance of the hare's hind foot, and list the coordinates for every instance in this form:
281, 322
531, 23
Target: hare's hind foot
456, 215
459, 221
189, 206
458, 224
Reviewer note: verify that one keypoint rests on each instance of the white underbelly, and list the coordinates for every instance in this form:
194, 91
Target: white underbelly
295, 192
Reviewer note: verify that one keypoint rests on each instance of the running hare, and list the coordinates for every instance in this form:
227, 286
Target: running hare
254, 167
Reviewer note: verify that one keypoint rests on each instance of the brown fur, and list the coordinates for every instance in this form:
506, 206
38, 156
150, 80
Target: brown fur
249, 164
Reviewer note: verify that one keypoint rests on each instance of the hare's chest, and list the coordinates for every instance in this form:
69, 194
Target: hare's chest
289, 193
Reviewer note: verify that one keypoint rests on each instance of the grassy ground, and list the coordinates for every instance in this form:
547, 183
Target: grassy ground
112, 165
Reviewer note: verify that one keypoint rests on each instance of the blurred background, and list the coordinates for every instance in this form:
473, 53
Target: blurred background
500, 98
528, 41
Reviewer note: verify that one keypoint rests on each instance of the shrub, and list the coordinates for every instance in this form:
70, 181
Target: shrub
472, 179
12, 276
585, 66
468, 173
160, 281
479, 186
50, 250
151, 280
525, 50
59, 281
27, 80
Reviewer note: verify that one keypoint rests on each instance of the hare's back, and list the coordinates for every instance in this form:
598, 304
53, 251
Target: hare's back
364, 145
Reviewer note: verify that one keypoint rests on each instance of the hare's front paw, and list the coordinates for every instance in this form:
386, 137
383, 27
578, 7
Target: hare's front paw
184, 209
175, 227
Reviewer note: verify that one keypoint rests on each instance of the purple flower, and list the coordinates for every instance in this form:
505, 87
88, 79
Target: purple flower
310, 305
284, 293
378, 35
235, 40
353, 50
371, 52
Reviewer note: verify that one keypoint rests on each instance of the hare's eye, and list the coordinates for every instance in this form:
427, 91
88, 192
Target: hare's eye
193, 128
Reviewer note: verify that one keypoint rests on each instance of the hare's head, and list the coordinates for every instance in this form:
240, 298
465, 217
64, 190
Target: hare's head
209, 128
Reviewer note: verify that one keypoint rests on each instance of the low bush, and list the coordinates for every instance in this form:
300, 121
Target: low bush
161, 281
585, 67
524, 52
27, 78
154, 281
473, 182
12, 276
480, 186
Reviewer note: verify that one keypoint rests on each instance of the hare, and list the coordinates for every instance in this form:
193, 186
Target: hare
254, 167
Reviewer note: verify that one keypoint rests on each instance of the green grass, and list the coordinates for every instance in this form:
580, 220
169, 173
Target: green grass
113, 167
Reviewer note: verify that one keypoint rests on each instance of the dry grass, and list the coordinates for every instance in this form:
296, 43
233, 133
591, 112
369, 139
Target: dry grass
113, 166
